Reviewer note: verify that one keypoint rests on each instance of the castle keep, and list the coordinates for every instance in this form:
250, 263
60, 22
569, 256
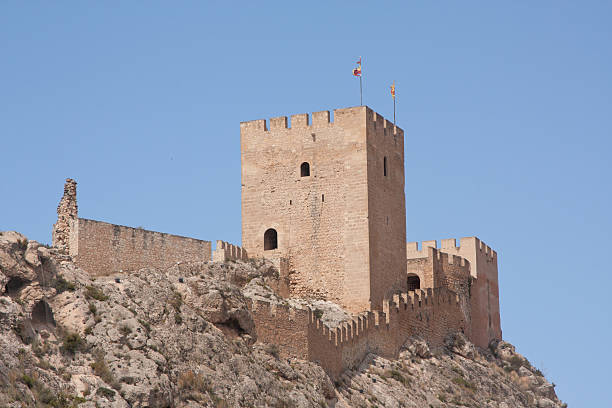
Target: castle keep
328, 196
324, 200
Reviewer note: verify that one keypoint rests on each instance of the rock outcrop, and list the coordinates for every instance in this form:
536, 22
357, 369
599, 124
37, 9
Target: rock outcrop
184, 337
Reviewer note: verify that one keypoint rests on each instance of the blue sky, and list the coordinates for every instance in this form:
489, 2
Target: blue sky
506, 108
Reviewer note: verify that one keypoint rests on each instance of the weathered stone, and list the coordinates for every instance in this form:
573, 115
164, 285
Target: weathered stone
419, 348
31, 254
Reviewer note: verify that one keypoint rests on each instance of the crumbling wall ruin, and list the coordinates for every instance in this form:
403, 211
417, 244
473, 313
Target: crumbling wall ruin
101, 248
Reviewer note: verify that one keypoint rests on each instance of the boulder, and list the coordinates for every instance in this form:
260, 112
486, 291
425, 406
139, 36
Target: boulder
546, 403
31, 254
419, 348
459, 344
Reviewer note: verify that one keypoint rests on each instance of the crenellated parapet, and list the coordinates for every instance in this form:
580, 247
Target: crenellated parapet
321, 119
481, 291
228, 252
419, 250
431, 314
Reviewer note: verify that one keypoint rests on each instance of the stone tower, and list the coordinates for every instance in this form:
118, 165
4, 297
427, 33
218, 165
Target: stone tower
327, 199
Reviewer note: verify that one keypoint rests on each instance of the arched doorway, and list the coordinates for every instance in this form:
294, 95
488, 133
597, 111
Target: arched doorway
270, 239
414, 282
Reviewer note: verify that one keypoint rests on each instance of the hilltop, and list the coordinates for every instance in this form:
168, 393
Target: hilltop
184, 337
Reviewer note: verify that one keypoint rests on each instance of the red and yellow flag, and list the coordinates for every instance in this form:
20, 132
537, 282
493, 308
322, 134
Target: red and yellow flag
357, 71
393, 90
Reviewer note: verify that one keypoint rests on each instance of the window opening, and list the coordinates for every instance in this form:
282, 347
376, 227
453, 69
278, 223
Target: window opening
385, 166
414, 282
270, 239
305, 169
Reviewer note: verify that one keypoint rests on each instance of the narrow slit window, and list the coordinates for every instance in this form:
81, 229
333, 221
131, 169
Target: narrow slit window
305, 169
323, 197
385, 166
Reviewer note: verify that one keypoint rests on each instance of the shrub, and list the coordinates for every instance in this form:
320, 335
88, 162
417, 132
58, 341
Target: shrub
44, 364
93, 309
178, 319
516, 362
464, 383
396, 375
125, 330
27, 380
272, 349
94, 292
105, 392
101, 370
318, 313
145, 324
190, 381
62, 285
72, 342
22, 244
176, 301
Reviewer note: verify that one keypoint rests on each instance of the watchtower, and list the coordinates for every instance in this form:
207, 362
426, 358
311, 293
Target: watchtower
328, 197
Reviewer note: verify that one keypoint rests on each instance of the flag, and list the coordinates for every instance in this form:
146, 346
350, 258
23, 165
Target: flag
393, 90
357, 71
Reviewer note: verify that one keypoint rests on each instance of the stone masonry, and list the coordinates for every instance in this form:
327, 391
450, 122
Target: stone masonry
341, 223
484, 289
324, 200
101, 248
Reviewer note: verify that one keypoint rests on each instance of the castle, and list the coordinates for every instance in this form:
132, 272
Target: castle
324, 200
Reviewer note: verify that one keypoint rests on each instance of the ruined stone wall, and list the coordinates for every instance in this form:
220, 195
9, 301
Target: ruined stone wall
322, 220
431, 314
101, 248
63, 234
105, 248
484, 289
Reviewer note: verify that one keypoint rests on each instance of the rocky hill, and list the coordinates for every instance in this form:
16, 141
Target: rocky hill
184, 337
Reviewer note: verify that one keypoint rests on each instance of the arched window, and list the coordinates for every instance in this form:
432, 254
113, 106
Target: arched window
385, 166
414, 282
270, 239
305, 169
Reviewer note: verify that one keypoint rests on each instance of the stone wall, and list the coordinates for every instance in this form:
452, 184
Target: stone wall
105, 248
228, 252
431, 314
335, 249
484, 289
101, 248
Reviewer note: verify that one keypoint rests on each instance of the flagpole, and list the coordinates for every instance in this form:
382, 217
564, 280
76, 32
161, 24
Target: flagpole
360, 92
393, 111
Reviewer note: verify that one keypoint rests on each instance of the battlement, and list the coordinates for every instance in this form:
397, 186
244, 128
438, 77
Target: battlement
318, 120
430, 313
228, 252
413, 250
